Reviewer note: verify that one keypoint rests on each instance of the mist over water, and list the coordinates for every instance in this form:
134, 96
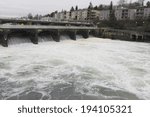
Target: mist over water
91, 68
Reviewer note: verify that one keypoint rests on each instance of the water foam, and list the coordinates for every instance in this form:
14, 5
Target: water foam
90, 65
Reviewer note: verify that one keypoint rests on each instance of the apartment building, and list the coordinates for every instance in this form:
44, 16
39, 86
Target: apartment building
86, 14
125, 14
68, 15
104, 14
131, 14
59, 16
146, 12
139, 13
93, 14
74, 15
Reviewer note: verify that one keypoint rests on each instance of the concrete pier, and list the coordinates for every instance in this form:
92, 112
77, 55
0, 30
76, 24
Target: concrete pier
55, 35
72, 34
85, 34
4, 38
34, 36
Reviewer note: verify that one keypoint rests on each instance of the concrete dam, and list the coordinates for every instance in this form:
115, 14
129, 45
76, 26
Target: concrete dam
34, 28
33, 31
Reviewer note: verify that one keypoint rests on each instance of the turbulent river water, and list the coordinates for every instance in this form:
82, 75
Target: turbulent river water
90, 69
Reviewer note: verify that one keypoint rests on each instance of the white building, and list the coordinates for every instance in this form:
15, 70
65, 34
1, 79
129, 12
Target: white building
118, 14
93, 14
79, 15
146, 12
47, 18
132, 13
59, 16
104, 14
68, 15
82, 14
139, 13
125, 14
74, 15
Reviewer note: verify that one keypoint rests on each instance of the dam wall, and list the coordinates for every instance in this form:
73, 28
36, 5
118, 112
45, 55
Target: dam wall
33, 32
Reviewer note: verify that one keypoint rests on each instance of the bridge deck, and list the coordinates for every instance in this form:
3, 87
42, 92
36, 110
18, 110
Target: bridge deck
18, 27
5, 20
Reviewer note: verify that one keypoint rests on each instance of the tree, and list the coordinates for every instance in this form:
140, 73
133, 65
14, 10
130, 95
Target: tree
111, 6
112, 17
95, 8
36, 17
72, 9
90, 6
56, 12
76, 8
148, 4
30, 16
52, 14
100, 7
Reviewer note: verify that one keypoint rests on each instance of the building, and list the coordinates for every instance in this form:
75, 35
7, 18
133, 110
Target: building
68, 15
79, 15
119, 14
93, 14
82, 14
125, 14
146, 12
47, 18
74, 15
104, 14
131, 14
59, 16
139, 13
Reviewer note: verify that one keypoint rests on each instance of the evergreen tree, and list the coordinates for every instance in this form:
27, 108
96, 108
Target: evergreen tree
100, 7
36, 17
95, 8
30, 16
90, 6
111, 6
148, 4
72, 9
112, 18
76, 8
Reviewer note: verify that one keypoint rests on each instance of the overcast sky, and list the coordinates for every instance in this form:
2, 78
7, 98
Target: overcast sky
23, 7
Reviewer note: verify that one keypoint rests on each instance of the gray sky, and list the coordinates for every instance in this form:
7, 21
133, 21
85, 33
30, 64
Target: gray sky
23, 7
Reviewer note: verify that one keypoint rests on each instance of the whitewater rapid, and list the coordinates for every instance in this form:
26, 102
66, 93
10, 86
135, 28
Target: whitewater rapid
91, 68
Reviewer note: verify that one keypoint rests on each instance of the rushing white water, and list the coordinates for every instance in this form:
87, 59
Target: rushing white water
91, 68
